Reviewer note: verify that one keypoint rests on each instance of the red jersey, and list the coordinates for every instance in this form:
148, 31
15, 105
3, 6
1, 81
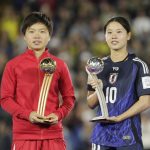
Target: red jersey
20, 89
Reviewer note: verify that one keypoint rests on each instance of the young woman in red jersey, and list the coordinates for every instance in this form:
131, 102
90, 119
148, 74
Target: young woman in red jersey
22, 85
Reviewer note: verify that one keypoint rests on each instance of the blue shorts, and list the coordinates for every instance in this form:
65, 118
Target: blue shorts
137, 146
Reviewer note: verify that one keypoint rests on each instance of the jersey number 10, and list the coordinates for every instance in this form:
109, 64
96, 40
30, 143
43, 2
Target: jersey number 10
111, 94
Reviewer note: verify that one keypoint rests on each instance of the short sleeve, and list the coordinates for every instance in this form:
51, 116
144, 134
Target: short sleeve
143, 78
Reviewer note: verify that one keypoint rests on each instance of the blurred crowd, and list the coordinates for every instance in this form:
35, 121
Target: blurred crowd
77, 36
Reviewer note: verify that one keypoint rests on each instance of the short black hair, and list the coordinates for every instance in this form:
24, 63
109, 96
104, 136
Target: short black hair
36, 17
123, 21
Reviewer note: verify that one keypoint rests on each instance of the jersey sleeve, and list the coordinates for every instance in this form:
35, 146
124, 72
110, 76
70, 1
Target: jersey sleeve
67, 92
143, 78
7, 100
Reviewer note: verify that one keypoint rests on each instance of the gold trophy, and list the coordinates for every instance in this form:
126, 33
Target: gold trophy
94, 66
48, 66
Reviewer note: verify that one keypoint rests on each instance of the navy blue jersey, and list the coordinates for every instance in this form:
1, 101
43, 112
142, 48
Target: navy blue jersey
124, 82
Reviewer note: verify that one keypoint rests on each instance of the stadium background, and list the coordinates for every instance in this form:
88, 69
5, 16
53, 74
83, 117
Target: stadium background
78, 35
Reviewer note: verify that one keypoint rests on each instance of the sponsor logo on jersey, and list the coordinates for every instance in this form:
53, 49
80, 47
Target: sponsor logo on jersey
146, 82
115, 68
126, 137
113, 78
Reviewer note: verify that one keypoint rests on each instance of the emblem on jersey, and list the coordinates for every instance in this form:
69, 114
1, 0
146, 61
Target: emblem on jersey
146, 82
113, 78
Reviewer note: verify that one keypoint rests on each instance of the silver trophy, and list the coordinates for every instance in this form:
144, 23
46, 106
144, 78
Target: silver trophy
94, 66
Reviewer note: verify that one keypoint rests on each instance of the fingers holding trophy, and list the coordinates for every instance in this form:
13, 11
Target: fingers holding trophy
94, 66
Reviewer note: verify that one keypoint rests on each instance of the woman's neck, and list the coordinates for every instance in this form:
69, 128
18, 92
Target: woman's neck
38, 53
117, 56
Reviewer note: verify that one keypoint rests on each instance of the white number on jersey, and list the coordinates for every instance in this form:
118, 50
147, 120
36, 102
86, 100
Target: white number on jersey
111, 94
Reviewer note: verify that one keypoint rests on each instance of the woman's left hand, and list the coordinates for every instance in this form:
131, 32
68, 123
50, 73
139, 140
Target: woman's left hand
114, 119
51, 119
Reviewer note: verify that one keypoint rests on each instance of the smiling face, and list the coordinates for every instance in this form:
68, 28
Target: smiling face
37, 36
116, 36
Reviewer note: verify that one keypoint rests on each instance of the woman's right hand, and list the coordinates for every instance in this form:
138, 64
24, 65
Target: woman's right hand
34, 117
94, 82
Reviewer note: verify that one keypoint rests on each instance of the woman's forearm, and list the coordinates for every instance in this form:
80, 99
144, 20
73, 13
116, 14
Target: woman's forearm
141, 105
92, 99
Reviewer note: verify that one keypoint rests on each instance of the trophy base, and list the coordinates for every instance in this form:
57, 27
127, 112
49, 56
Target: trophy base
46, 121
101, 119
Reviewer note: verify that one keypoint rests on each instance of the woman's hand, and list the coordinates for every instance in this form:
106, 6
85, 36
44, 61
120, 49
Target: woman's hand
114, 119
34, 117
94, 82
51, 119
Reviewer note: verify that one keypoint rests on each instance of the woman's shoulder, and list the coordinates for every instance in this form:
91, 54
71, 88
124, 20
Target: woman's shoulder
140, 64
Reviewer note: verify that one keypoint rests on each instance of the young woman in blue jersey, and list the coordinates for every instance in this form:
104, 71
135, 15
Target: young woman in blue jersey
126, 86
